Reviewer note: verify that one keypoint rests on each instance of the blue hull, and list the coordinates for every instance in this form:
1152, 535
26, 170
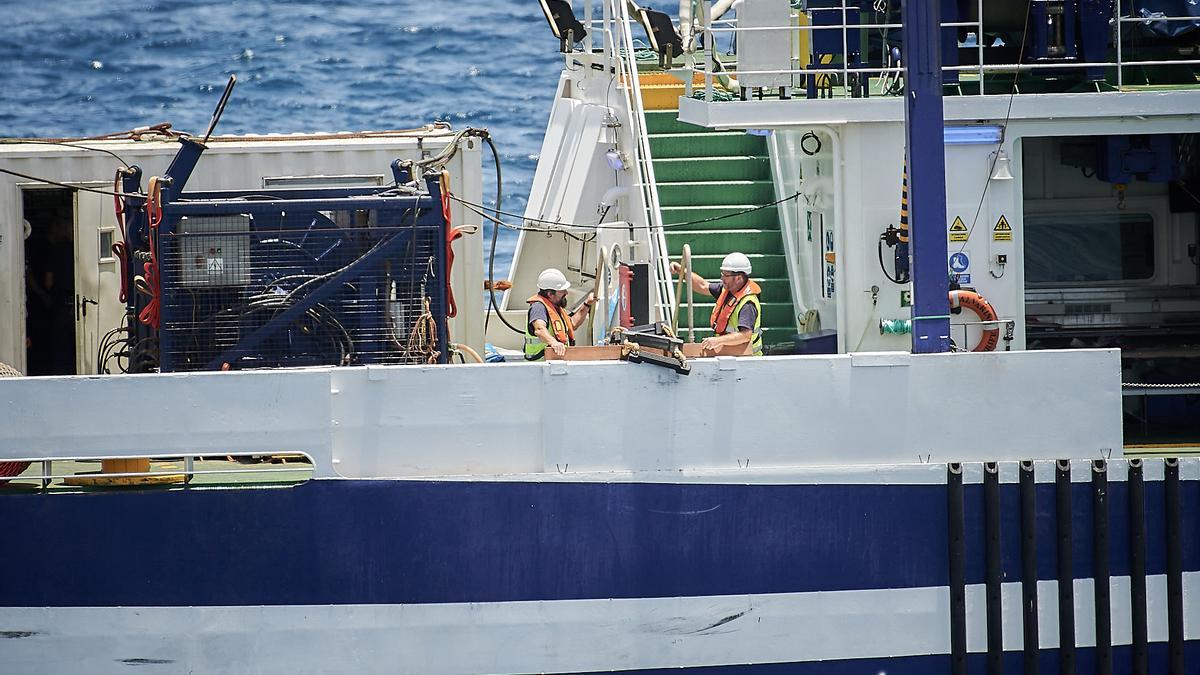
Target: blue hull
409, 543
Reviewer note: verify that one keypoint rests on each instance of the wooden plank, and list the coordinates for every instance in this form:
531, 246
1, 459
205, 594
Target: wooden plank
693, 350
587, 353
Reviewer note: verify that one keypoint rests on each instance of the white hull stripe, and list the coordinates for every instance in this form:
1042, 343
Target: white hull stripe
552, 636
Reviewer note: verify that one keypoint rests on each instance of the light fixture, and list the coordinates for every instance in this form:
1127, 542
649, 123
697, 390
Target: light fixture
563, 23
616, 159
971, 134
1000, 169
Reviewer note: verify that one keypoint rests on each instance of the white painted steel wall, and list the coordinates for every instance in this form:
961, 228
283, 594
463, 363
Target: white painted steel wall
562, 635
231, 163
572, 179
871, 135
860, 409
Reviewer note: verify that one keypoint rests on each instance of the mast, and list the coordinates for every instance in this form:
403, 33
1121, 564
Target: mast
924, 139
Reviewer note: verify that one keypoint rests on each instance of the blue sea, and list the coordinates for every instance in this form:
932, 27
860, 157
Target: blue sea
97, 66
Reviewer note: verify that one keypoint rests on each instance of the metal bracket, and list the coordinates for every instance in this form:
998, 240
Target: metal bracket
657, 337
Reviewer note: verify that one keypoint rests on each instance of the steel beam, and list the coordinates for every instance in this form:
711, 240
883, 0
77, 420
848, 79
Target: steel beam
926, 175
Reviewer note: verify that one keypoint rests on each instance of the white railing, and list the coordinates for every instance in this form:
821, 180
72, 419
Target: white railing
165, 470
620, 48
845, 26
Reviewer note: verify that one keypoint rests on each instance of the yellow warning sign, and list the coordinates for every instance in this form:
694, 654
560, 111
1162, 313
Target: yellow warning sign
1002, 231
958, 229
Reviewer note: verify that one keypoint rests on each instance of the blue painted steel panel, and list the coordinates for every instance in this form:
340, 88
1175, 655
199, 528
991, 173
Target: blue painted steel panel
381, 541
926, 176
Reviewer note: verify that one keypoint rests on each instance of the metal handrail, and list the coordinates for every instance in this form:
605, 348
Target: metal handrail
618, 12
684, 286
46, 473
1120, 63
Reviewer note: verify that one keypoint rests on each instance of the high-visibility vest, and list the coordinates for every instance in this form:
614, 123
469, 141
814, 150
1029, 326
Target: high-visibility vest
729, 305
560, 327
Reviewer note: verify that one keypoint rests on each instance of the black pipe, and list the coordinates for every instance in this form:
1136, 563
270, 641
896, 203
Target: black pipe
1100, 570
1137, 566
1029, 575
993, 575
958, 577
1174, 569
1066, 574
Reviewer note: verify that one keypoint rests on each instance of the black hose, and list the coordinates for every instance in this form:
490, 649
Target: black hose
492, 255
894, 280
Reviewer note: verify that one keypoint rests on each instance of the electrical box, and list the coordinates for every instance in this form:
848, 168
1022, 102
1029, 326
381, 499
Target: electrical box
214, 251
768, 49
634, 288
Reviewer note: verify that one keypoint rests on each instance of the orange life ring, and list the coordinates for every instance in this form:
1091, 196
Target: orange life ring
982, 309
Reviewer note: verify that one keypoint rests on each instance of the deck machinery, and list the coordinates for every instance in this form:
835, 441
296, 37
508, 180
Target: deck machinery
227, 280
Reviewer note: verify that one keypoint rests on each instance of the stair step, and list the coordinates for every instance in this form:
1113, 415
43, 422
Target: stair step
684, 169
667, 122
763, 265
708, 144
715, 193
763, 219
724, 241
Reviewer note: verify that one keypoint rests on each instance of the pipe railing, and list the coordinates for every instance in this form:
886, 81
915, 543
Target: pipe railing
845, 26
617, 12
41, 469
683, 289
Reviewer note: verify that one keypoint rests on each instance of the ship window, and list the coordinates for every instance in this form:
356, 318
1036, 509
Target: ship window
1086, 248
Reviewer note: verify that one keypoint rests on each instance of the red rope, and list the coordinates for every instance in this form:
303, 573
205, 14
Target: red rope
150, 313
119, 248
452, 233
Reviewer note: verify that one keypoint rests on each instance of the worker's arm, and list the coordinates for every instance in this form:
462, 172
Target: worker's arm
698, 283
716, 342
581, 314
540, 330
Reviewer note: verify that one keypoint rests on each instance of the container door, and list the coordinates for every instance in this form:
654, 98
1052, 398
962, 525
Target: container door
98, 307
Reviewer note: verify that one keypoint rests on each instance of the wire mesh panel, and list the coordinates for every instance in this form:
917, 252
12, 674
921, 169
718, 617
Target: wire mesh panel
317, 282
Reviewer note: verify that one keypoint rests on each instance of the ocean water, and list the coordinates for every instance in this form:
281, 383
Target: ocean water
97, 66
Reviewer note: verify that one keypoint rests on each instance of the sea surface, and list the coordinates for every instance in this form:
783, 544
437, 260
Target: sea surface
90, 67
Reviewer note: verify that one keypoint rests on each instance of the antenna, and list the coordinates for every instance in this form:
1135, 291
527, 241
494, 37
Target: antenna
212, 124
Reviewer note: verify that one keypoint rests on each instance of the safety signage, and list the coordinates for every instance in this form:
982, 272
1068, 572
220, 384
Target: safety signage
1002, 231
959, 262
958, 229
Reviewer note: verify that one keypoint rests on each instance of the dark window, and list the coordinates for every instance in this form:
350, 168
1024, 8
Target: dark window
1088, 248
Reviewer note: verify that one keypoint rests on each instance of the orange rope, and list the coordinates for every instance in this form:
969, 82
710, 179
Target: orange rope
150, 280
119, 247
452, 233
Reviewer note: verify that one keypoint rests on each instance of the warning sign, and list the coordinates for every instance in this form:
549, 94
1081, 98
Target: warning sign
958, 229
1002, 231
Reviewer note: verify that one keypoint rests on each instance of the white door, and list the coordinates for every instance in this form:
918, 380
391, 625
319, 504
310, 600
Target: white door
98, 306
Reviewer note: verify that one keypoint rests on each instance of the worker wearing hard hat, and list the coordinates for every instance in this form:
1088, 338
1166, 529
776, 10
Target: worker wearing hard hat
548, 323
737, 317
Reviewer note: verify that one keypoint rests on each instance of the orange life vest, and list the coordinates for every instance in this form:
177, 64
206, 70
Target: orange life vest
560, 322
726, 302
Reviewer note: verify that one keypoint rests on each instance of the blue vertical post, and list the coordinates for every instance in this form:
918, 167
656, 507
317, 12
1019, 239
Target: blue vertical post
926, 175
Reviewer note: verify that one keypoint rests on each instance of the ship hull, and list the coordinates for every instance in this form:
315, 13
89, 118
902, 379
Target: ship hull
560, 575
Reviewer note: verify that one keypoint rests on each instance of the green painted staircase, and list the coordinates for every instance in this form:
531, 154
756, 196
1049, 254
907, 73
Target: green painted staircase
701, 174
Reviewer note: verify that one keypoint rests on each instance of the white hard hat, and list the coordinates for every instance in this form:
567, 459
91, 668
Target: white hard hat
552, 280
736, 262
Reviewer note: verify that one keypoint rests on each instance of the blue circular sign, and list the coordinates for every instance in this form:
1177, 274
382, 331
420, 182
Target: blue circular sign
959, 262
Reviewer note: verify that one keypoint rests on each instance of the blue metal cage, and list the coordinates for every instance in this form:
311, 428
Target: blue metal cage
300, 278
